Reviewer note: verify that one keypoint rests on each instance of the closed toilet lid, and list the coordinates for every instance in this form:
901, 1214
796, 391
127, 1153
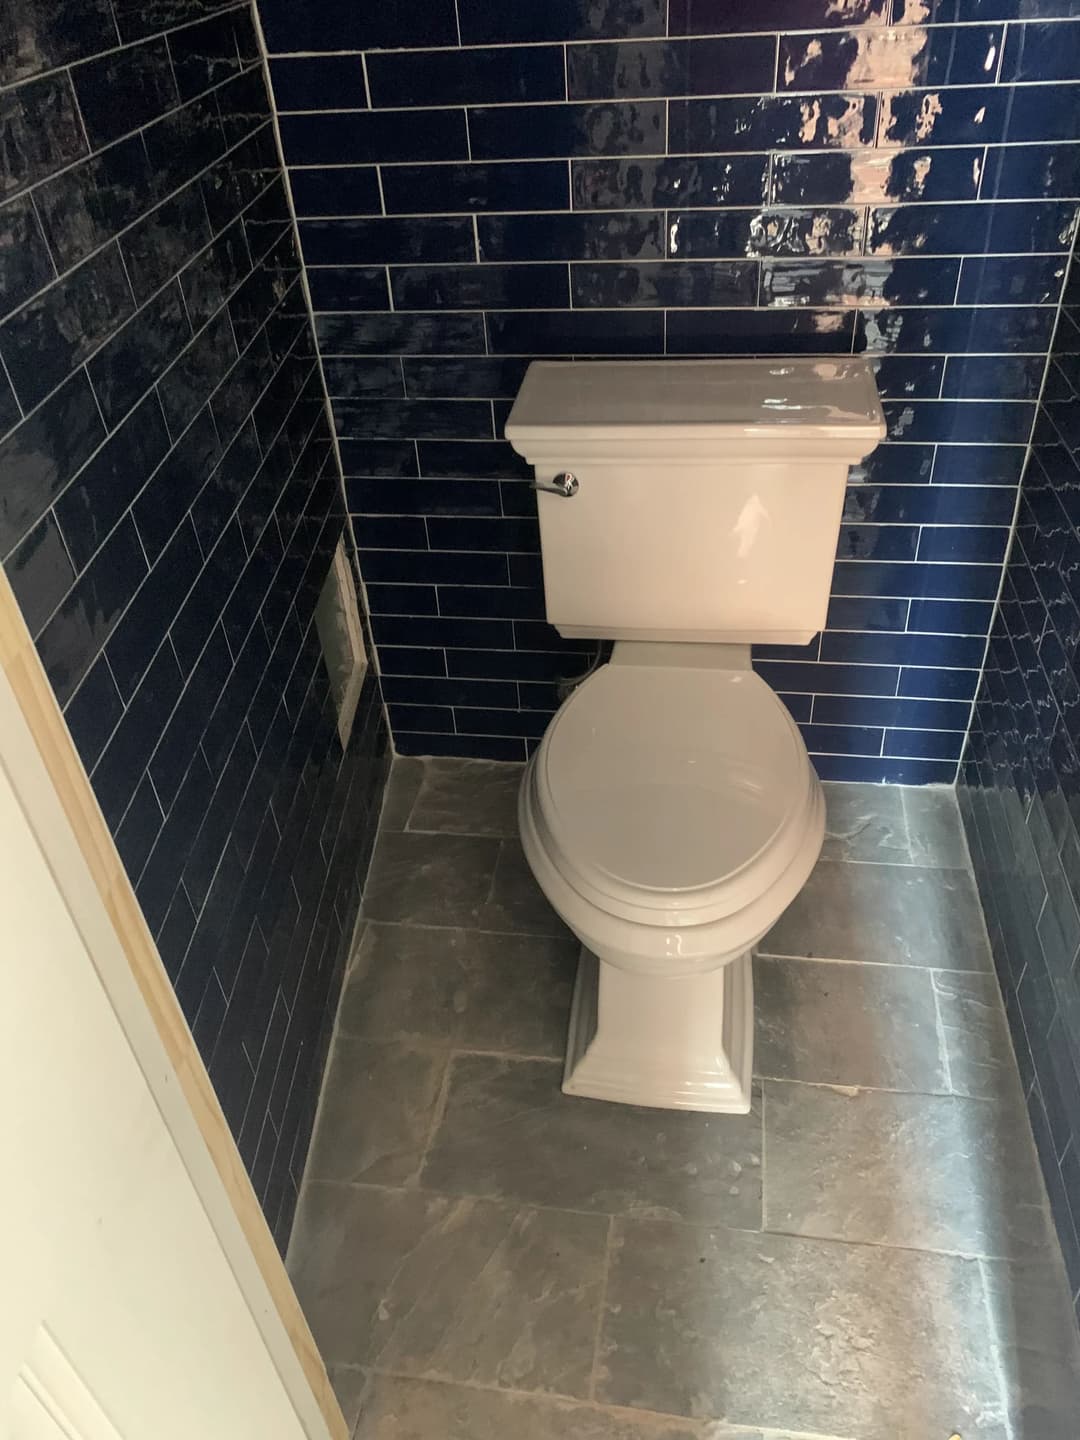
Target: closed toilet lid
661, 788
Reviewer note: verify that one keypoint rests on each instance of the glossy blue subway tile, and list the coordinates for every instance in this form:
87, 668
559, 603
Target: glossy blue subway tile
378, 457
426, 567
352, 288
529, 724
494, 377
644, 68
438, 690
514, 603
362, 334
1042, 52
493, 459
633, 236
869, 613
25, 256
759, 332
160, 596
340, 190
963, 229
854, 282
978, 545
40, 572
842, 739
830, 679
93, 712
480, 287
950, 331
349, 377
674, 182
718, 17
402, 600
499, 185
529, 665
484, 23
41, 456
967, 115
960, 421
883, 648
951, 617
873, 58
123, 762
455, 633
422, 718
928, 504
410, 662
139, 77
366, 137
938, 684
43, 132
664, 283
924, 744
1028, 172
936, 582
772, 122
892, 464
518, 533
340, 25
858, 176
50, 35
433, 419
9, 406
318, 82
401, 533
586, 332
138, 353
83, 207
978, 465
466, 77
422, 497
212, 52
699, 235
538, 131
1044, 112
914, 715
916, 377
993, 377
164, 241
886, 771
877, 542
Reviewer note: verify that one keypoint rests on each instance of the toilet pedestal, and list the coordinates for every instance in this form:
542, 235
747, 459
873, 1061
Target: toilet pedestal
677, 1043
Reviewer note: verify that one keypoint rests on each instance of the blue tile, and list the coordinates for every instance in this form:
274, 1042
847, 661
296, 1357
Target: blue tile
855, 282
380, 242
352, 190
340, 25
664, 283
771, 122
467, 77
598, 332
118, 773
1028, 172
40, 572
674, 181
526, 723
26, 261
758, 332
871, 59
403, 660
378, 457
422, 497
978, 465
977, 544
505, 535
954, 617
950, 331
425, 567
357, 288
93, 712
892, 464
488, 601
936, 684
402, 600
141, 74
434, 419
49, 35
138, 352
538, 131
634, 236
41, 123
369, 137
510, 185
877, 542
484, 23
867, 613
847, 177
646, 68
913, 715
841, 739
318, 82
1042, 52
909, 376
455, 634
1050, 112
980, 227
40, 457
717, 17
477, 458
993, 377
936, 582
885, 771
965, 116
154, 605
422, 718
903, 649
210, 53
958, 421
829, 679
400, 334
494, 377
480, 287
349, 377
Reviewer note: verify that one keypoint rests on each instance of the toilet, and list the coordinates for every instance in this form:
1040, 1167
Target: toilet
670, 814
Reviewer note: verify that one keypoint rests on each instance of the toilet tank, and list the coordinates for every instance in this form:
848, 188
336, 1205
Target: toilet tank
708, 497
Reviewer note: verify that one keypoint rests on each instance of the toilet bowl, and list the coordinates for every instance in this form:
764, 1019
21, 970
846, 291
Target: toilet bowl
688, 510
670, 814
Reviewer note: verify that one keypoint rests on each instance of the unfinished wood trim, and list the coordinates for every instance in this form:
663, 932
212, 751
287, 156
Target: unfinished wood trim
35, 699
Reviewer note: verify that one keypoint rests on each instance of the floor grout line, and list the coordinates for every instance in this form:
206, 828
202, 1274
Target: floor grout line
601, 1306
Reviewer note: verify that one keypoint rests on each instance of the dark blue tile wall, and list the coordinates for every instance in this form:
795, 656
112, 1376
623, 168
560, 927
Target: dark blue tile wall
1019, 783
169, 503
683, 178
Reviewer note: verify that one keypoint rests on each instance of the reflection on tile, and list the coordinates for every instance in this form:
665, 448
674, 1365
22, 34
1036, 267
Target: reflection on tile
864, 822
976, 1035
376, 1111
430, 879
796, 1334
884, 914
926, 1172
1034, 1330
402, 787
516, 901
464, 988
835, 1024
405, 1409
454, 1289
471, 797
509, 1131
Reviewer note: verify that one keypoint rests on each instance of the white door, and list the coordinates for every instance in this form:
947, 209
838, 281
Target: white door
122, 1313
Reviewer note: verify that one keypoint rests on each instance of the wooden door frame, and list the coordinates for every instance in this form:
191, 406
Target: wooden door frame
37, 752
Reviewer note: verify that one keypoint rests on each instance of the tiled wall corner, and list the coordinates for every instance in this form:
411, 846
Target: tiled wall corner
169, 503
1019, 783
479, 183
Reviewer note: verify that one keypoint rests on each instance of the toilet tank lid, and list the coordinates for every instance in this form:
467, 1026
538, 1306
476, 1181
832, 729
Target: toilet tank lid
820, 397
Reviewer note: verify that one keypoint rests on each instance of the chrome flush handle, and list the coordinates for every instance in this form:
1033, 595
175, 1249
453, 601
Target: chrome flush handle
565, 484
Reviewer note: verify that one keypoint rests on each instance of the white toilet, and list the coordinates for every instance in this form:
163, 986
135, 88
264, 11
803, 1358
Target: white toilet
670, 813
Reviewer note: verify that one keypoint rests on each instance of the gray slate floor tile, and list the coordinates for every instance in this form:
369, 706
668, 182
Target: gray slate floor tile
976, 1033
468, 797
516, 901
351, 1386
376, 1111
463, 988
835, 1024
1038, 1345
457, 1289
405, 1409
864, 822
430, 879
935, 830
402, 788
509, 1131
884, 914
928, 1172
797, 1334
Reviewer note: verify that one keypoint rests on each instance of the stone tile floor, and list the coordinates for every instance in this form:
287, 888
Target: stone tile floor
866, 1255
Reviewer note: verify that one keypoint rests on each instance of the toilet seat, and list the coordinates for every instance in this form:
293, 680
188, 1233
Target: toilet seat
671, 797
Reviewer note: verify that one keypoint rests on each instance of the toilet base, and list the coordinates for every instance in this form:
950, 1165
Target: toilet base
676, 1043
